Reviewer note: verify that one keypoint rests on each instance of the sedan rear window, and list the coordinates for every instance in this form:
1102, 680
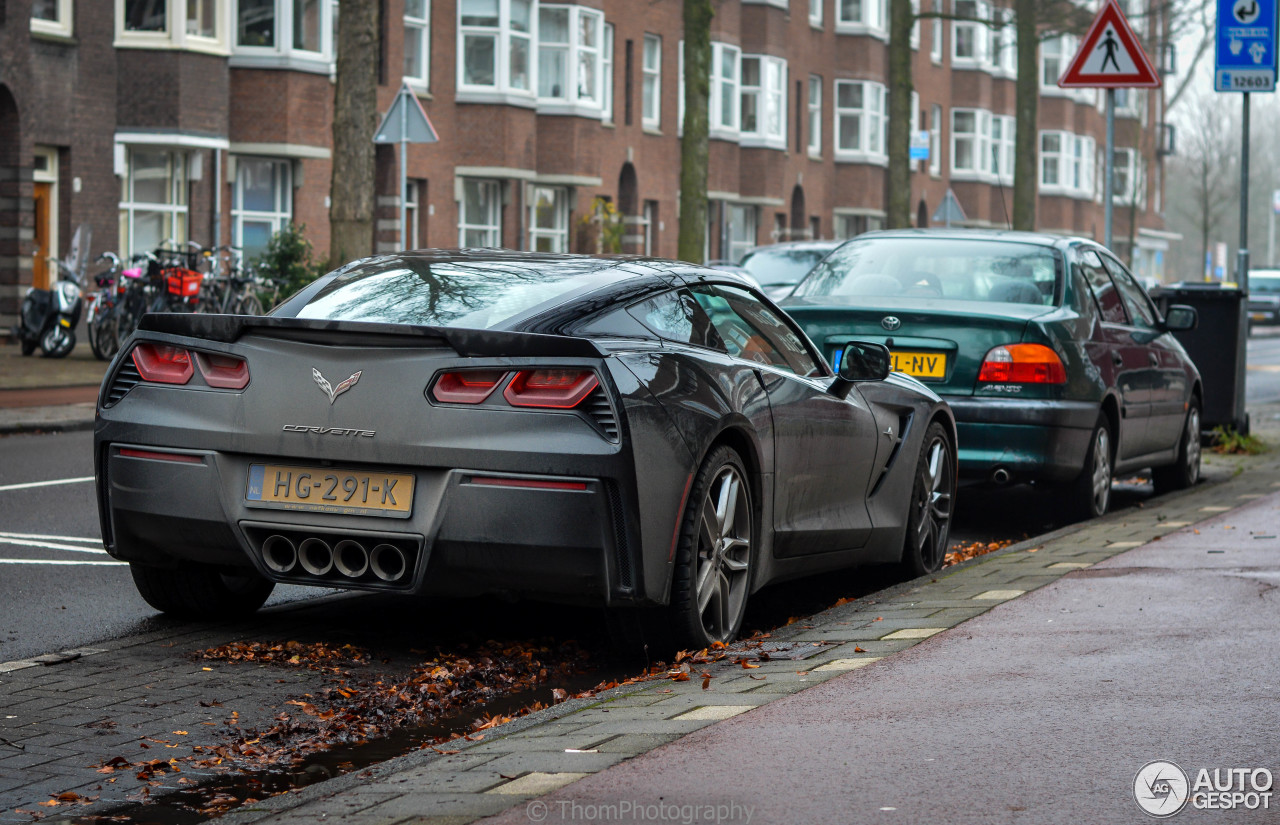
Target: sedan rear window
953, 268
469, 295
779, 267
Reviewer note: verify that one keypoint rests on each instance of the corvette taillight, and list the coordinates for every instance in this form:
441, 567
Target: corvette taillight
466, 386
553, 389
1022, 364
163, 364
223, 371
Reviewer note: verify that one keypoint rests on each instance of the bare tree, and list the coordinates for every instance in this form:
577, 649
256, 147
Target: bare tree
693, 143
1201, 187
355, 118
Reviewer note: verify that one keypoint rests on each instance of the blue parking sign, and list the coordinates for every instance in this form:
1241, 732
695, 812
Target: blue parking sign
1246, 46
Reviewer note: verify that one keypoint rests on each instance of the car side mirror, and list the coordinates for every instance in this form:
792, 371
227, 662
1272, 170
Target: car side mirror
861, 361
1180, 318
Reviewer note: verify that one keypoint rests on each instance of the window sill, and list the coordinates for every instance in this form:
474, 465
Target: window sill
62, 37
864, 158
421, 88
163, 43
651, 130
524, 100
562, 109
862, 30
815, 156
816, 25
724, 134
287, 62
750, 141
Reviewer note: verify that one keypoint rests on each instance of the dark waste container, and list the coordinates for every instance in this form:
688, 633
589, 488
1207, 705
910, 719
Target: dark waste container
1217, 346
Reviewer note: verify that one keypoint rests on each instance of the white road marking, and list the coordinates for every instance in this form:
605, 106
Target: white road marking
62, 562
49, 545
28, 485
4, 535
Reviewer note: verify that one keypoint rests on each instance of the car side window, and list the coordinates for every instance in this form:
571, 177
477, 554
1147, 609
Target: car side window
1103, 288
754, 333
782, 335
1135, 300
676, 316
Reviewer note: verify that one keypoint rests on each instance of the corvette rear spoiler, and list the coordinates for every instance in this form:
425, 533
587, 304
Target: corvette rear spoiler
466, 342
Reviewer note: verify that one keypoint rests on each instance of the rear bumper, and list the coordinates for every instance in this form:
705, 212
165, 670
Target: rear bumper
468, 532
1030, 440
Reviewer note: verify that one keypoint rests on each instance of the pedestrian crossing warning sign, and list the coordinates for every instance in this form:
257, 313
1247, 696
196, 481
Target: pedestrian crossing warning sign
1110, 56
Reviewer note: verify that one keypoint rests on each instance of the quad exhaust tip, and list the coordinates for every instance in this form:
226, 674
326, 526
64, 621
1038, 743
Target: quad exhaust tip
1001, 476
388, 562
279, 554
350, 558
316, 556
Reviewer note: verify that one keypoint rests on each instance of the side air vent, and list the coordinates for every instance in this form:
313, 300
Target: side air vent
621, 547
597, 407
126, 379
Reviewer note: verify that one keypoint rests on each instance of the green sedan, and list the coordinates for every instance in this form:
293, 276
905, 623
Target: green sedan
1059, 368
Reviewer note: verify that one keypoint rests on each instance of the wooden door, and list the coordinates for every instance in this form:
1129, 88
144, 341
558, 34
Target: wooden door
41, 269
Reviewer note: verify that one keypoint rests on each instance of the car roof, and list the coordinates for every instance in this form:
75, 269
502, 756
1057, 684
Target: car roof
1011, 235
783, 245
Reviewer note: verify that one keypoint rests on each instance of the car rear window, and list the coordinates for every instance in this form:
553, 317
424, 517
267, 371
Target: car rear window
1269, 284
777, 267
957, 269
467, 294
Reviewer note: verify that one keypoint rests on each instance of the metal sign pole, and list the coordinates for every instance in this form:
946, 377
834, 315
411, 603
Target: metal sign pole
1109, 187
404, 173
1242, 256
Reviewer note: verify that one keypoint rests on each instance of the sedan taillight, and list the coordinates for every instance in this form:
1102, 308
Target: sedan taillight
1022, 364
552, 389
466, 386
163, 364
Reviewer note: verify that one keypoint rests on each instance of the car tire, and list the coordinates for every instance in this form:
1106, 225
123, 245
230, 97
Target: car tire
714, 554
197, 591
1186, 472
932, 502
1090, 494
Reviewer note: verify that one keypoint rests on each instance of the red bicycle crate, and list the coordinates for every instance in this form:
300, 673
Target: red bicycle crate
184, 282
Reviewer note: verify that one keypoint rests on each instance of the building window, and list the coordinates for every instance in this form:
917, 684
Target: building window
849, 226
764, 101
417, 42
51, 17
1001, 148
153, 200
193, 25
1054, 56
726, 64
860, 121
412, 214
146, 15
815, 12
549, 221
494, 47
741, 230
262, 203
1127, 174
606, 74
298, 34
1004, 43
569, 56
935, 140
935, 42
969, 35
1066, 164
815, 115
970, 141
651, 92
861, 15
480, 214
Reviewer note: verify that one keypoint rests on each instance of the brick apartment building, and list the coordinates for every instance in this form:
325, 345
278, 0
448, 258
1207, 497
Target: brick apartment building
209, 120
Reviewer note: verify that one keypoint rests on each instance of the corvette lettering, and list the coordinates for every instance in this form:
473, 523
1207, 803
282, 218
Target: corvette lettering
303, 428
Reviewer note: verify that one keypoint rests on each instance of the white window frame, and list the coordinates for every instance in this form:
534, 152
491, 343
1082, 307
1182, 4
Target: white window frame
503, 89
915, 24
61, 26
651, 82
873, 18
815, 13
935, 139
771, 102
412, 214
420, 28
175, 34
1004, 44
1055, 53
576, 99
490, 224
557, 235
935, 43
741, 242
283, 55
606, 75
815, 115
981, 37
1127, 190
1074, 159
1003, 129
872, 121
979, 138
176, 209
279, 217
725, 88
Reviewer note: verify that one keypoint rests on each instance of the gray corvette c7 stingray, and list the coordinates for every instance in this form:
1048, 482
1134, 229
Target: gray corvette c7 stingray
625, 432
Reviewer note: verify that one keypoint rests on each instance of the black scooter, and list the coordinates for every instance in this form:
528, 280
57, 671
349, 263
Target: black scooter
48, 317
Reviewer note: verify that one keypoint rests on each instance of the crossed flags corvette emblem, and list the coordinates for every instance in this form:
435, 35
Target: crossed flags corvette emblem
330, 390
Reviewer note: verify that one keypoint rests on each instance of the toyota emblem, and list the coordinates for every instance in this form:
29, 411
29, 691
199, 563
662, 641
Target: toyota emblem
890, 322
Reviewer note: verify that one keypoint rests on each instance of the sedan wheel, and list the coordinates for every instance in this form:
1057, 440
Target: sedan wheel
1186, 472
932, 502
1091, 492
713, 560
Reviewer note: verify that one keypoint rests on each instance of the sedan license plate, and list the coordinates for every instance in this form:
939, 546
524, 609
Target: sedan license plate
330, 490
921, 364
